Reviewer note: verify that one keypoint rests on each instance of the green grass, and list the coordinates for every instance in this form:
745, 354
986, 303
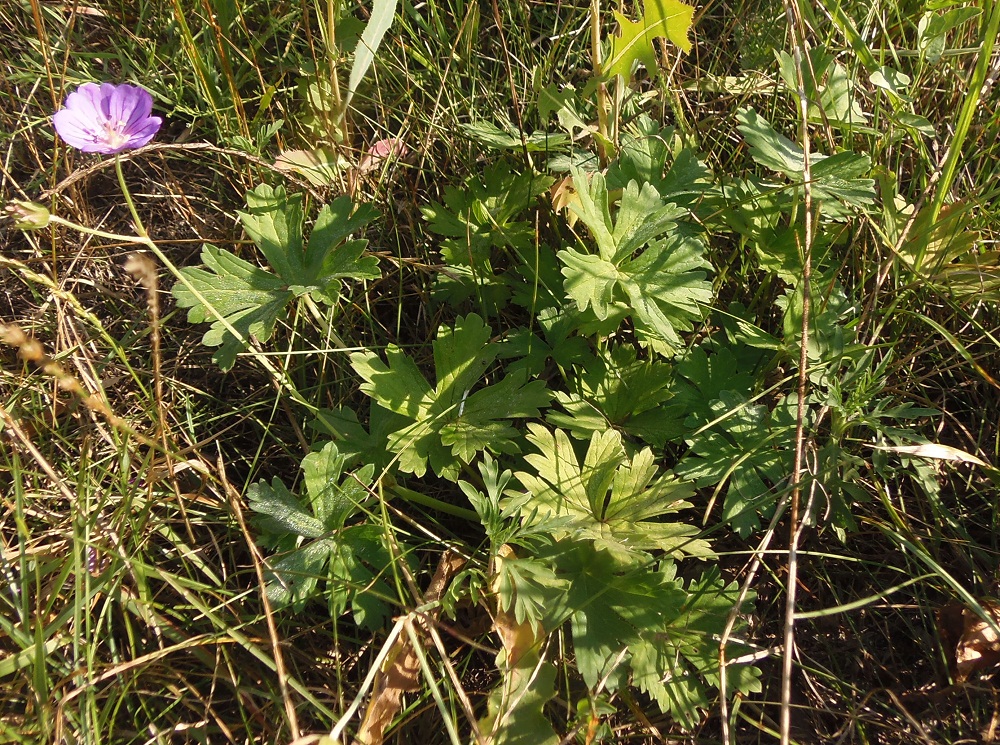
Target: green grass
133, 605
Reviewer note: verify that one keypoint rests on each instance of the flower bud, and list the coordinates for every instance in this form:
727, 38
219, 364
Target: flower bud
28, 215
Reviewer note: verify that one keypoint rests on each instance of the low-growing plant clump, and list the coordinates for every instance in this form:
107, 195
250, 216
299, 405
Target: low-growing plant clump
506, 374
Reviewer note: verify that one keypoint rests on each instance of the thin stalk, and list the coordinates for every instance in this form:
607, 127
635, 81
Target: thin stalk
339, 131
798, 31
602, 88
435, 504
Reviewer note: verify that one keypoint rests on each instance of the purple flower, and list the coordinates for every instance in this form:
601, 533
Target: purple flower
107, 118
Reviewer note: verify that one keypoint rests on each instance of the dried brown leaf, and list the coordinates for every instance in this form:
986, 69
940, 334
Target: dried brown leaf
400, 672
971, 643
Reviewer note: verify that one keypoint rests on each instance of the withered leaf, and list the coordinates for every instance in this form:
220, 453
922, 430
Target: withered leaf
970, 643
400, 672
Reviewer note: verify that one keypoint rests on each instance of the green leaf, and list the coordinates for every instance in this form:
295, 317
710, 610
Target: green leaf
476, 220
768, 147
284, 511
531, 589
333, 500
491, 135
701, 378
643, 157
634, 43
830, 322
382, 14
504, 526
273, 221
329, 256
398, 386
641, 217
590, 281
664, 285
350, 559
834, 178
746, 448
611, 499
662, 632
293, 579
461, 357
249, 299
450, 422
687, 650
562, 103
667, 289
244, 301
361, 573
831, 99
476, 428
620, 391
516, 715
356, 443
933, 30
893, 81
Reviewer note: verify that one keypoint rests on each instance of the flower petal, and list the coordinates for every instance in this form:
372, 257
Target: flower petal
123, 103
142, 109
104, 99
85, 101
144, 132
78, 130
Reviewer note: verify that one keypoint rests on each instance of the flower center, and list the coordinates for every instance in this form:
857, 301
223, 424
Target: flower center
114, 134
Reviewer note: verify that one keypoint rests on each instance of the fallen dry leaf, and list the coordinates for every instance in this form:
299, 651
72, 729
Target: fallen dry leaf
380, 151
400, 672
563, 195
971, 644
516, 706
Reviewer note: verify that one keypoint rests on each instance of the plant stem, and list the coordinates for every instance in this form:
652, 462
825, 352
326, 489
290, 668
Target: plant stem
602, 88
435, 504
139, 227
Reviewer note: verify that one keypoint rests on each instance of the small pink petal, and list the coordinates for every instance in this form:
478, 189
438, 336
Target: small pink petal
390, 147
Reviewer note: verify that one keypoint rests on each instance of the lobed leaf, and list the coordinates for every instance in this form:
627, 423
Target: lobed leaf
671, 19
610, 499
243, 301
248, 298
449, 423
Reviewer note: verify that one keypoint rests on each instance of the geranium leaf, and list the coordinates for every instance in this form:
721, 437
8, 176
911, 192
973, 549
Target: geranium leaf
243, 301
613, 500
247, 297
747, 448
273, 221
835, 178
283, 510
329, 256
647, 623
349, 558
643, 257
615, 391
451, 422
399, 385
